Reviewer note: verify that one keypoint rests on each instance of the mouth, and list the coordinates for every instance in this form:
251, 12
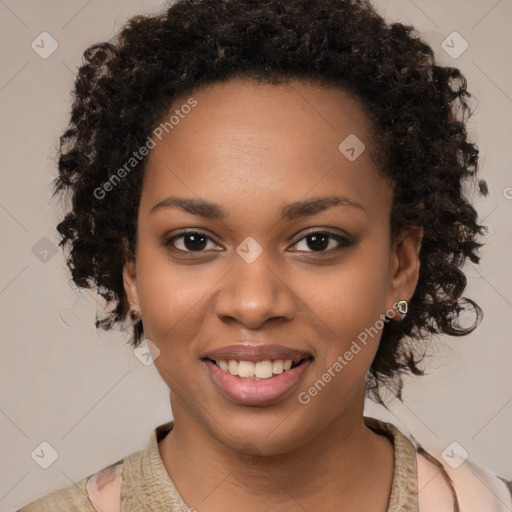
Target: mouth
260, 370
256, 374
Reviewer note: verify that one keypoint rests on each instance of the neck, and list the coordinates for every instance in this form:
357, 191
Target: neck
337, 464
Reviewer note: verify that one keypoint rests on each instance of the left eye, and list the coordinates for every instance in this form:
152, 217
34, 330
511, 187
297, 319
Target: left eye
318, 241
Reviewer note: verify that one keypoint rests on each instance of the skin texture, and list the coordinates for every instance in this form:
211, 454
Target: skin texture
251, 148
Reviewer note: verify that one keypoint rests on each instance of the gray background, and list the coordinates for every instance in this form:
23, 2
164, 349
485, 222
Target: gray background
83, 391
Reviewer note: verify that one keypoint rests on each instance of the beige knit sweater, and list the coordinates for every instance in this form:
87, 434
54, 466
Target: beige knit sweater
140, 482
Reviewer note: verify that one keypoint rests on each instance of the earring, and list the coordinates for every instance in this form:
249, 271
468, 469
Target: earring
403, 307
135, 314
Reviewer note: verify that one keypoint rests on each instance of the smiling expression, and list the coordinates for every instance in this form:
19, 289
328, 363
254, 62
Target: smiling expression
288, 244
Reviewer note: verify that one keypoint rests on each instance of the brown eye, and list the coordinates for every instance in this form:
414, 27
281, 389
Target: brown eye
189, 241
321, 241
318, 241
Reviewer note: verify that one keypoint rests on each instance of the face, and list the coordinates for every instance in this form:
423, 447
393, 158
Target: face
287, 258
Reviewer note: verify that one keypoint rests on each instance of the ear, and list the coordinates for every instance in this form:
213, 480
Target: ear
130, 279
405, 265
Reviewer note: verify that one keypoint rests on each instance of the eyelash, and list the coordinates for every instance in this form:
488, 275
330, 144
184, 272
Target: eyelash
343, 242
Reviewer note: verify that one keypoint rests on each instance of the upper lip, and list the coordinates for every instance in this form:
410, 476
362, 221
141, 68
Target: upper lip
257, 353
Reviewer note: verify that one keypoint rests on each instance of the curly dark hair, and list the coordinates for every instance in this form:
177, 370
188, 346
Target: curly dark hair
418, 110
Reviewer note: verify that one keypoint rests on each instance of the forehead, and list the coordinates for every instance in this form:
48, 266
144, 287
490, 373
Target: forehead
242, 138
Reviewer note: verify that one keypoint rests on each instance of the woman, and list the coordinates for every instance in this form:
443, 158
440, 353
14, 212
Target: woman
272, 190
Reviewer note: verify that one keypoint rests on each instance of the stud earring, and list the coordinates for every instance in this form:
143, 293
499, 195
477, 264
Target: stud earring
403, 307
135, 314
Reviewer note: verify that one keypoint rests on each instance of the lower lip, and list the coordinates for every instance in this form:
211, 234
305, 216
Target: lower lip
257, 392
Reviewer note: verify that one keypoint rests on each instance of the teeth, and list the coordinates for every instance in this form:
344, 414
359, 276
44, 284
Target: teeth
263, 369
278, 367
260, 370
246, 369
232, 367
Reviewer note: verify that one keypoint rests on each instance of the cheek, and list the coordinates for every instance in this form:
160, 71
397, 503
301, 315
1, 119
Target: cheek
349, 301
176, 309
349, 297
169, 293
350, 304
173, 308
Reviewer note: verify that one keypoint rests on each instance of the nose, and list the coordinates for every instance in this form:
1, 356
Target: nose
254, 293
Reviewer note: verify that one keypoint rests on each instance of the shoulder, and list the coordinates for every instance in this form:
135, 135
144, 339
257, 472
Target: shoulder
472, 486
449, 483
74, 497
100, 491
125, 481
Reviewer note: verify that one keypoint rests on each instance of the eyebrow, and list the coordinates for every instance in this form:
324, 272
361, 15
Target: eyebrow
289, 211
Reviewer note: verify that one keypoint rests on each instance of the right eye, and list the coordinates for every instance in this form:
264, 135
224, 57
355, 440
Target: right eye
189, 240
